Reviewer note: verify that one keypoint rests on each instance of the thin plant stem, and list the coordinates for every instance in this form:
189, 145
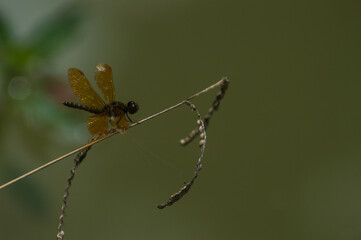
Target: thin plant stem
207, 117
79, 158
221, 82
202, 143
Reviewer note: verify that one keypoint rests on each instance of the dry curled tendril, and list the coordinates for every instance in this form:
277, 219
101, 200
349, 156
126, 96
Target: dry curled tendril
202, 143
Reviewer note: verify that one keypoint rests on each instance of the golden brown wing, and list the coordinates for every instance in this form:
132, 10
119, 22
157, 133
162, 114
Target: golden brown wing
120, 123
104, 79
98, 124
83, 90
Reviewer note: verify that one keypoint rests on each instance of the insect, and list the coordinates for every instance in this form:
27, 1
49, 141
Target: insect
110, 111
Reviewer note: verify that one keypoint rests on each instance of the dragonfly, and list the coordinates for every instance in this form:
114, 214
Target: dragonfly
108, 112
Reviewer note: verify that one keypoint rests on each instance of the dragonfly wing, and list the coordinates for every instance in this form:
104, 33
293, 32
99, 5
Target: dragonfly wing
120, 123
98, 124
83, 90
104, 80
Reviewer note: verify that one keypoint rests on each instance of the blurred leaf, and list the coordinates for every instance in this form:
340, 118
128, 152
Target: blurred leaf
42, 111
54, 32
4, 42
4, 32
17, 57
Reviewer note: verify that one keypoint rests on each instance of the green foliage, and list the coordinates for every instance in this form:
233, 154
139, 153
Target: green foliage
27, 102
45, 40
52, 34
4, 32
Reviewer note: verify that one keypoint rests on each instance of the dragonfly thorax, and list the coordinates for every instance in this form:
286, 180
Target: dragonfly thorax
117, 108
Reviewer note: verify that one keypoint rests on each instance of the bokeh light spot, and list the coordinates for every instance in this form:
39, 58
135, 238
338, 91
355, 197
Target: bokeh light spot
19, 88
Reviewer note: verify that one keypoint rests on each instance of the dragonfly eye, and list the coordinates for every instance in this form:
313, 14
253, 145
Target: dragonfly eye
132, 107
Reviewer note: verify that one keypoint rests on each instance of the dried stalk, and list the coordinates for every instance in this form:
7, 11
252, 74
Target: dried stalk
78, 159
202, 143
207, 117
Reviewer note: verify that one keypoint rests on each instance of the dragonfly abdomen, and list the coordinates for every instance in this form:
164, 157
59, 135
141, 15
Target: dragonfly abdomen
82, 107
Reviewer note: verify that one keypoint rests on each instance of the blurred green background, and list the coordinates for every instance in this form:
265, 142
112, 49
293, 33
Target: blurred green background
283, 152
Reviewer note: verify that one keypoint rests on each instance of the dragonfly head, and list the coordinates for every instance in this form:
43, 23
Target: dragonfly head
132, 107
